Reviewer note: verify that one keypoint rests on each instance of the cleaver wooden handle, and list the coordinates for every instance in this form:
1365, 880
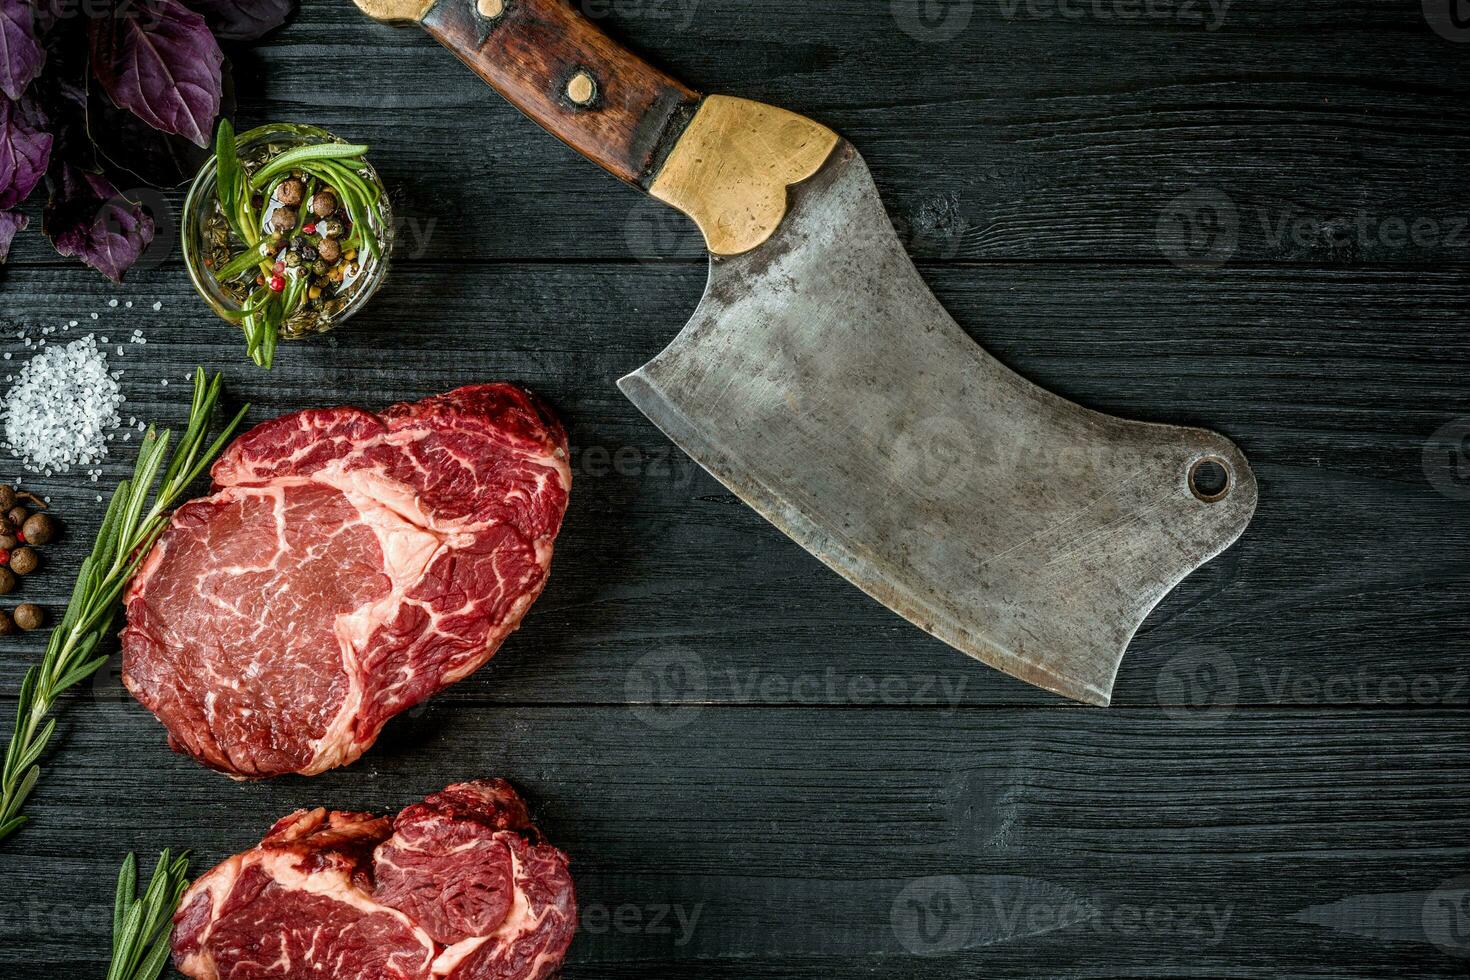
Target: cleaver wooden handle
554, 65
725, 162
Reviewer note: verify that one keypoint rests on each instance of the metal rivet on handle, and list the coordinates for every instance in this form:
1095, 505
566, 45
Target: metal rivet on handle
490, 9
582, 88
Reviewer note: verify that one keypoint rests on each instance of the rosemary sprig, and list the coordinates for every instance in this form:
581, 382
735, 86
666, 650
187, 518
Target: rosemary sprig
141, 924
128, 531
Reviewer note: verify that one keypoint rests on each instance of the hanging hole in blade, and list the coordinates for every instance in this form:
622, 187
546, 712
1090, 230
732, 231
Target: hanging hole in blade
1209, 479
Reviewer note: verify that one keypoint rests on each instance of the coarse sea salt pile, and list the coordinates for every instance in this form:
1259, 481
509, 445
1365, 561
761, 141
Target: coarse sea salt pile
62, 407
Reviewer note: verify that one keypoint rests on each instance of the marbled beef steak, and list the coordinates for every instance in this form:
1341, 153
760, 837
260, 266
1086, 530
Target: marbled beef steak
347, 566
458, 886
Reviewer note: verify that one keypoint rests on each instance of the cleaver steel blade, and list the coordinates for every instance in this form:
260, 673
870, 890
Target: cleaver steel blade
822, 382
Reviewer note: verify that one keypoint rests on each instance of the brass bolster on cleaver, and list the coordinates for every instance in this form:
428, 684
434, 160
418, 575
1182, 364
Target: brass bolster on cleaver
725, 162
732, 168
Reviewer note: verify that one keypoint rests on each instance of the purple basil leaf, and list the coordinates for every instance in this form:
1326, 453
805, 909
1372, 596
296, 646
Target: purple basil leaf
159, 59
10, 223
88, 218
25, 151
21, 55
147, 155
243, 20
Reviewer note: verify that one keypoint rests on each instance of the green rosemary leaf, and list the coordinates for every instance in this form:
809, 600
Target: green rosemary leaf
126, 939
82, 671
239, 265
216, 447
27, 692
22, 792
205, 396
141, 925
227, 173
303, 154
87, 578
127, 888
30, 756
304, 217
153, 963
268, 347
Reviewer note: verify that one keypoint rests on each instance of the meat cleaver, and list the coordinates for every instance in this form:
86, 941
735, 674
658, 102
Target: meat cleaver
822, 382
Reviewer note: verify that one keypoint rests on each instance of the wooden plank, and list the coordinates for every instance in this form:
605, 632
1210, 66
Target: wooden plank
1349, 588
802, 842
1321, 133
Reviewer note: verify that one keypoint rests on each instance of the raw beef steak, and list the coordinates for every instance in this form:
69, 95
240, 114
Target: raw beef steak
459, 886
347, 566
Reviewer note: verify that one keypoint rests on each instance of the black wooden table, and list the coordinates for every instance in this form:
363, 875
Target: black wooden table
1250, 216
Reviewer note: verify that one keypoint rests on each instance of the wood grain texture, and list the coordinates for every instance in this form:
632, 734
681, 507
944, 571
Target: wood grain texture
717, 727
556, 66
791, 843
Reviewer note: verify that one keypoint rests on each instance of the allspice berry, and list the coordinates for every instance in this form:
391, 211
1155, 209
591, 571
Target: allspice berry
28, 616
23, 561
18, 516
8, 541
8, 581
7, 496
323, 203
291, 192
284, 220
7, 625
39, 529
